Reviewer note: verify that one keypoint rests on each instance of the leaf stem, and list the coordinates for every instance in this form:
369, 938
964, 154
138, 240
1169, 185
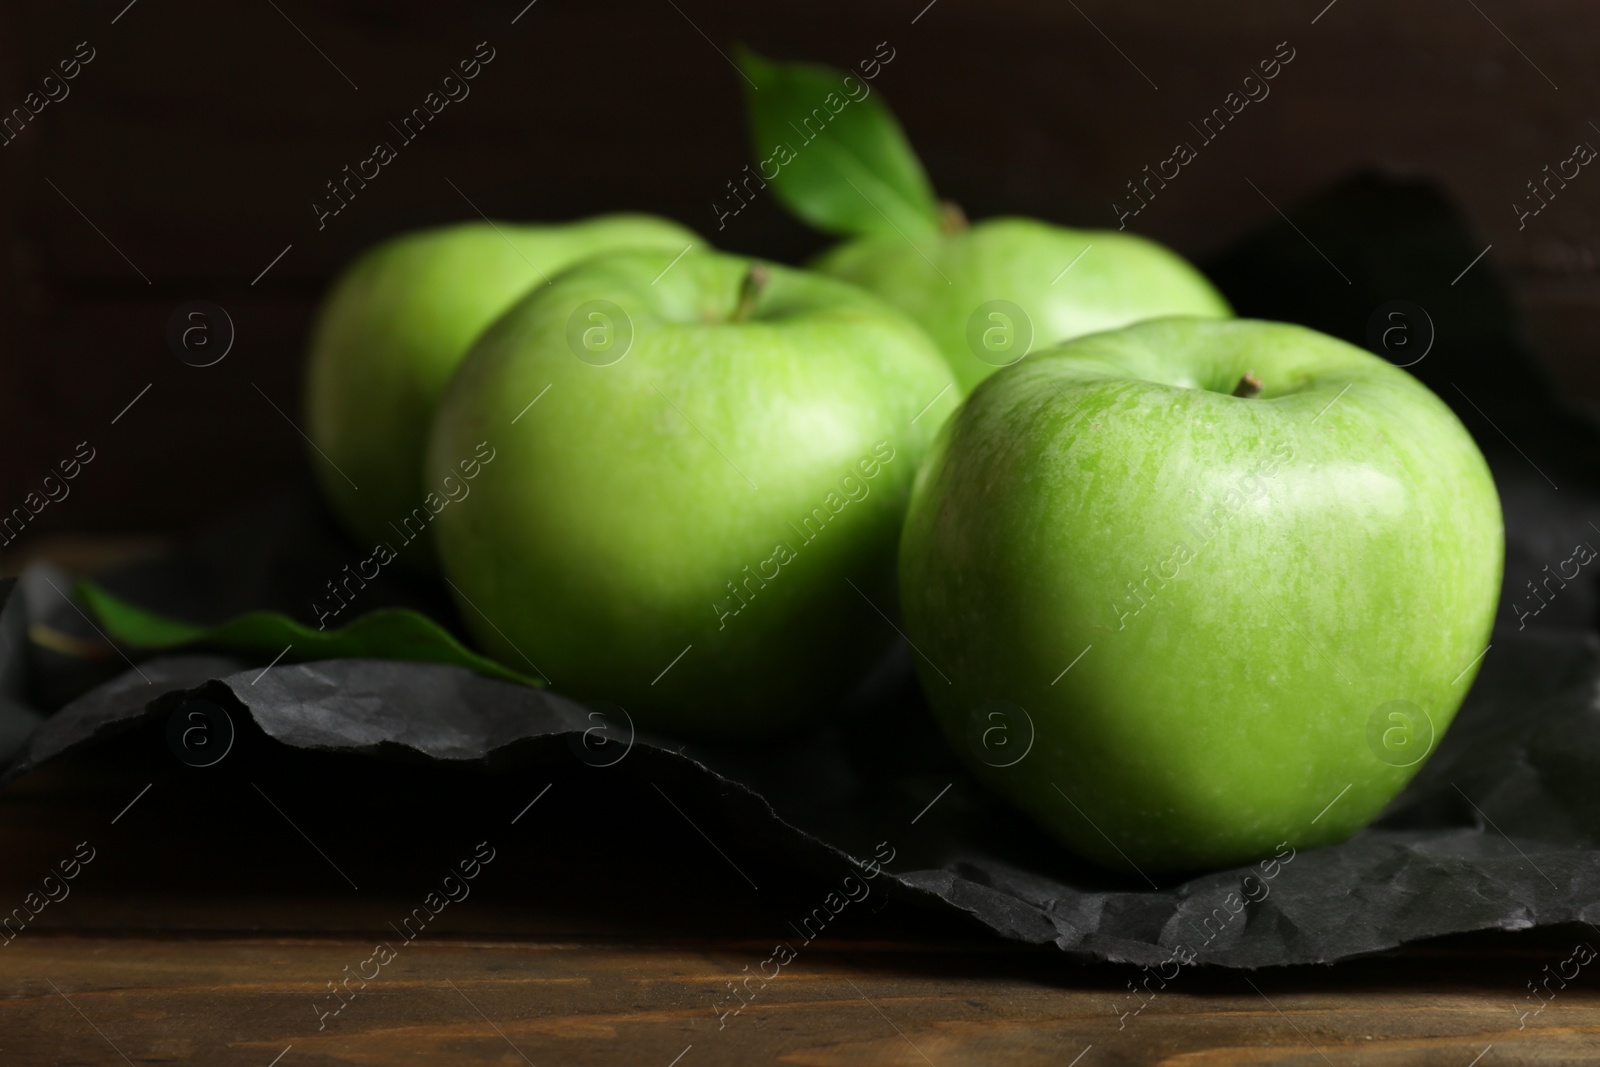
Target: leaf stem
951, 218
750, 290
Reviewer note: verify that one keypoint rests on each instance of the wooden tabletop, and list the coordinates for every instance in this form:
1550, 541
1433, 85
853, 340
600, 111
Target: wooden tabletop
212, 912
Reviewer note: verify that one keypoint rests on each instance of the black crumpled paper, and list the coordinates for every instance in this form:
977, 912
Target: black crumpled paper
1498, 830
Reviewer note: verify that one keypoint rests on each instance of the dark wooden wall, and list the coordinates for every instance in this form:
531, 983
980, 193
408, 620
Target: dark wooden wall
193, 144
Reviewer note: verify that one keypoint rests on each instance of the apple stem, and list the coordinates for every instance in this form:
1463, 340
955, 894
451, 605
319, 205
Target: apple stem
755, 281
951, 218
1249, 386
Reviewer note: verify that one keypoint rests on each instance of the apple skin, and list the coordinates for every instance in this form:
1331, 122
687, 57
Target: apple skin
1254, 580
622, 512
1121, 279
394, 327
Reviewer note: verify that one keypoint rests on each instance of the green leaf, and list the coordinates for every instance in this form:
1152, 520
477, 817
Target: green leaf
833, 152
389, 633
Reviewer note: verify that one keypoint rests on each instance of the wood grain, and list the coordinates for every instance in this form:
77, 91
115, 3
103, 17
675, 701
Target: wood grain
207, 928
244, 1000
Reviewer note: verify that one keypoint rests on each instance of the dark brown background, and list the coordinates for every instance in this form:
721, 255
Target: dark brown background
196, 141
199, 135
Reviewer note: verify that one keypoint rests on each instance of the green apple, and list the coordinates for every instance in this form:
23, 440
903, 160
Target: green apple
989, 292
1192, 590
698, 478
394, 327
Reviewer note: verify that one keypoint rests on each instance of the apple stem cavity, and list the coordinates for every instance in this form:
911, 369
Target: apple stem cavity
1249, 386
750, 290
951, 218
